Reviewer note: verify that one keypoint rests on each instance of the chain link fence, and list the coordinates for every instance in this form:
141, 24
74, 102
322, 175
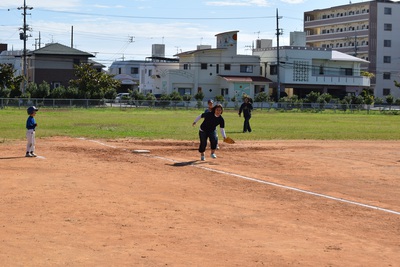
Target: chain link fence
170, 104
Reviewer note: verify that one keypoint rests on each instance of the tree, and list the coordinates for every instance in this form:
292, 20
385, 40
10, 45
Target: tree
41, 91
138, 97
93, 84
151, 99
390, 101
9, 84
312, 97
199, 97
175, 97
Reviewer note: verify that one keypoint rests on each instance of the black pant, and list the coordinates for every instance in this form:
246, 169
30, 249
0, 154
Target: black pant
246, 125
204, 136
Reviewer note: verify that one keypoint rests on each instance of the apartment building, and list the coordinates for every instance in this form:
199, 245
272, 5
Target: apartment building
366, 30
304, 69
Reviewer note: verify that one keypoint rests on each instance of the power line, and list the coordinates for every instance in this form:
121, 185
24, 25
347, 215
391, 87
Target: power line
150, 17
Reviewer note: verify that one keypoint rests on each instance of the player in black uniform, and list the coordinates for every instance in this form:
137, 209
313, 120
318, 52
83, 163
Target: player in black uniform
207, 129
246, 108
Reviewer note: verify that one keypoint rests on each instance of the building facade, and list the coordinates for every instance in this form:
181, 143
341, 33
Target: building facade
54, 64
217, 71
303, 69
366, 30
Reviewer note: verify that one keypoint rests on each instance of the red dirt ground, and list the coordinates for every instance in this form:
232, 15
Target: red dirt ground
96, 203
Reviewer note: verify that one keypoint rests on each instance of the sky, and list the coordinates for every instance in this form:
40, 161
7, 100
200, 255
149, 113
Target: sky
126, 29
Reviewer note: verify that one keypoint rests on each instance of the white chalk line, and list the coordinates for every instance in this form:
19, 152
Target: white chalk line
287, 187
269, 183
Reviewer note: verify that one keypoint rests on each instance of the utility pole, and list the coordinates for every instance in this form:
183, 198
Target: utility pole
23, 36
278, 82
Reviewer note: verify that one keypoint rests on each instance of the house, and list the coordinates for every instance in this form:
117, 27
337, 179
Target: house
304, 69
212, 71
131, 72
127, 72
12, 58
54, 64
366, 30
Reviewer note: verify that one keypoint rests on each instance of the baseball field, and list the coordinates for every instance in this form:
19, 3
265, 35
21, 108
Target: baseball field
329, 197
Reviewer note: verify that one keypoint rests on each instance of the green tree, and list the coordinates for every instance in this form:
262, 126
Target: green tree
9, 83
91, 83
41, 91
199, 97
312, 97
151, 98
175, 97
165, 99
220, 99
139, 97
390, 101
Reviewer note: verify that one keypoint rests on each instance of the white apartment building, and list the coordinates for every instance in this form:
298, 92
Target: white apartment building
366, 30
215, 71
304, 69
13, 58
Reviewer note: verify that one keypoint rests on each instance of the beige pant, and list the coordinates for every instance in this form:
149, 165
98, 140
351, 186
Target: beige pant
30, 137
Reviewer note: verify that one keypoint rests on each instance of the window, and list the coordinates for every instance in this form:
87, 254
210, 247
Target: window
227, 66
321, 69
386, 91
273, 70
134, 70
346, 71
224, 91
386, 75
387, 43
387, 27
56, 85
246, 68
150, 72
119, 71
387, 11
77, 61
203, 66
184, 91
387, 59
186, 66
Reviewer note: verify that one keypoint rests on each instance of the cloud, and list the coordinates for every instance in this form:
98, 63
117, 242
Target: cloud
238, 3
293, 1
48, 4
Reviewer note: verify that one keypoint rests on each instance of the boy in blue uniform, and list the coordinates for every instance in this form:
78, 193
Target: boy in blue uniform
30, 132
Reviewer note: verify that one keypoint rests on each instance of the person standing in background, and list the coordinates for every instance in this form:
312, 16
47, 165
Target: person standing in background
246, 108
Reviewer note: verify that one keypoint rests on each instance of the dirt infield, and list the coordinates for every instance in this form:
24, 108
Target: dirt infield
270, 203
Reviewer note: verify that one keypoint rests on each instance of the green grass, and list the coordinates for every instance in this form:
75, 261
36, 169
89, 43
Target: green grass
145, 123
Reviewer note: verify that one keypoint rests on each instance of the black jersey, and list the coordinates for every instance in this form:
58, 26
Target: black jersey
211, 122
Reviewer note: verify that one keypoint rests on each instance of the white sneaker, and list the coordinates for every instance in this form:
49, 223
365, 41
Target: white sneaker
203, 157
213, 156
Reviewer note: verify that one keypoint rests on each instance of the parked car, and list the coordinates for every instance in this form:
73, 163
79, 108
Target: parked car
121, 96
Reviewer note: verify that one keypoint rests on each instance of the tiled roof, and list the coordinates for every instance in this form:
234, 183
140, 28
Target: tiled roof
59, 49
232, 78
